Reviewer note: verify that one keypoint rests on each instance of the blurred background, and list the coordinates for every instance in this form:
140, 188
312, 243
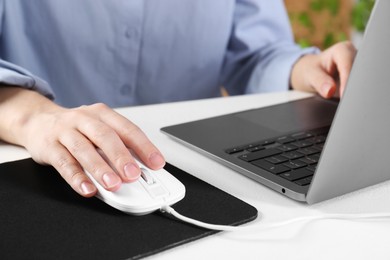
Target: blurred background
324, 22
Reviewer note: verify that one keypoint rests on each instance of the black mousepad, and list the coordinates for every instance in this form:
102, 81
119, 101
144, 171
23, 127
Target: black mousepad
41, 217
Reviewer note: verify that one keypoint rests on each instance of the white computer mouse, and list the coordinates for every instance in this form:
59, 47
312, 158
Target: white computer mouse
149, 193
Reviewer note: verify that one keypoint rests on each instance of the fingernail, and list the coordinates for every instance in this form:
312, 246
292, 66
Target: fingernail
132, 172
326, 88
157, 160
111, 180
87, 188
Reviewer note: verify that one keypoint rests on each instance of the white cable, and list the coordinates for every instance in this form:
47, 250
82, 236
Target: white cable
356, 217
177, 215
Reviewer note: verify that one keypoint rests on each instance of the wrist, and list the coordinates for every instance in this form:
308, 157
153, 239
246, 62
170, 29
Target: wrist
297, 78
20, 107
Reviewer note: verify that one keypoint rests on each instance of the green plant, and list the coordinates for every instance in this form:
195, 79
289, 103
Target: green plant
333, 6
304, 19
325, 22
360, 14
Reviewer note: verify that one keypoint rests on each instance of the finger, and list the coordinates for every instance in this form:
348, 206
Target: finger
107, 139
343, 59
71, 171
87, 156
322, 82
134, 138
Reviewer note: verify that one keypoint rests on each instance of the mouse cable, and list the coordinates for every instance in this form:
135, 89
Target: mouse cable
352, 217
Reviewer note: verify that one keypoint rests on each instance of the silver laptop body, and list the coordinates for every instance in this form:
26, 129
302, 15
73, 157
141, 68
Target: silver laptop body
356, 150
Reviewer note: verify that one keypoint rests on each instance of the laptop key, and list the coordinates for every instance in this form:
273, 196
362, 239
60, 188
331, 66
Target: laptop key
302, 143
256, 148
295, 164
307, 160
234, 150
249, 146
293, 155
304, 181
300, 136
314, 158
297, 174
277, 159
318, 139
308, 150
259, 154
319, 148
275, 169
267, 142
287, 147
285, 140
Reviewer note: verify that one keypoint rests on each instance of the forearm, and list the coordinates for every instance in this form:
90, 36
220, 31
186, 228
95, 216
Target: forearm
17, 107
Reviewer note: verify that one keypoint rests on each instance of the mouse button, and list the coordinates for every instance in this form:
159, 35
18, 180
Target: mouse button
157, 191
147, 176
131, 195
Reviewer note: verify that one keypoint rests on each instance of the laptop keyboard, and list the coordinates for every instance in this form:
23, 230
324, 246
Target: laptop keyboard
293, 157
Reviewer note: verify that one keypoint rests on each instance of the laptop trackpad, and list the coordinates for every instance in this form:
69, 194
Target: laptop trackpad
293, 116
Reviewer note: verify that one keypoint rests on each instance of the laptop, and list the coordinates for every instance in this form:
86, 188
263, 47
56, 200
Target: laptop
311, 149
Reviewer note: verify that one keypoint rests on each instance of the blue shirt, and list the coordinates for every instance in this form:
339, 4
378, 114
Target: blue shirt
133, 52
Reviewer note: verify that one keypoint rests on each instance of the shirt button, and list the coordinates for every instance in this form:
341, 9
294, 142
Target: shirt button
131, 33
125, 89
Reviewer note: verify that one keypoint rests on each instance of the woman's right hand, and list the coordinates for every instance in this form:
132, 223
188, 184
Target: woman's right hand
68, 139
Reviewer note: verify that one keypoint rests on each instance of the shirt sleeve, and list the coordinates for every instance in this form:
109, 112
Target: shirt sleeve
12, 74
261, 50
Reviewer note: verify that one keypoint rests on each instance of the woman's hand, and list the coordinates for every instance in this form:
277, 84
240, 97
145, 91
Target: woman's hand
67, 139
326, 73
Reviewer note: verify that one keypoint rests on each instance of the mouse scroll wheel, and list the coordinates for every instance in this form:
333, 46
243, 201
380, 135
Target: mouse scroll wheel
147, 176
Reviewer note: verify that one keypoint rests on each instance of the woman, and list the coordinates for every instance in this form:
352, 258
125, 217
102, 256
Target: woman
61, 60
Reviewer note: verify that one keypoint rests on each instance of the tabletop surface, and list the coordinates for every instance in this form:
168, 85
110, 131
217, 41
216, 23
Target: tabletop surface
322, 239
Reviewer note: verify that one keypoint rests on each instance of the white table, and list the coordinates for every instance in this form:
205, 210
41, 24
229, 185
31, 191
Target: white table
324, 239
